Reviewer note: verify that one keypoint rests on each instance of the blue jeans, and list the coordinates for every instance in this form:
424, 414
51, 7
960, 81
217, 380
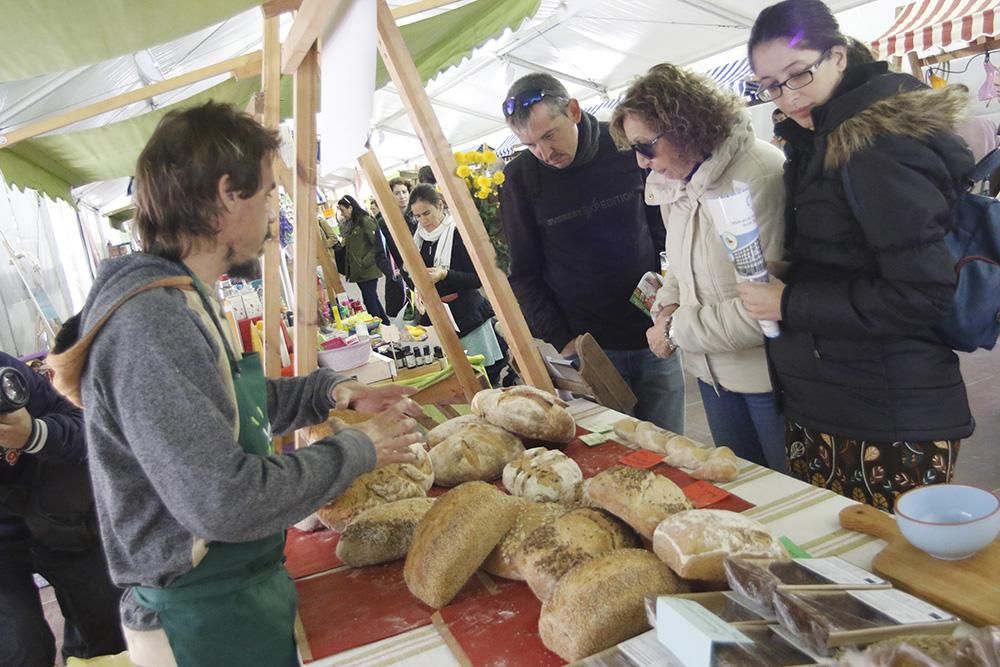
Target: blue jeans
657, 383
369, 295
749, 424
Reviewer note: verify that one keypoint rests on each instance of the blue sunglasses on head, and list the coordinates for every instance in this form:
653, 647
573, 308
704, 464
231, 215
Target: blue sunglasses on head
524, 100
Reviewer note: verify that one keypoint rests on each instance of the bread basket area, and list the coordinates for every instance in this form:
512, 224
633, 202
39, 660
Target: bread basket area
512, 541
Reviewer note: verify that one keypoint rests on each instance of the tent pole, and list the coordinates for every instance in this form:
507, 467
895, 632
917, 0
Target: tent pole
404, 74
271, 84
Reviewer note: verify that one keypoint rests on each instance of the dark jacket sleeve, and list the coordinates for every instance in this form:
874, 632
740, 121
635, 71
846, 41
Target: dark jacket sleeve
382, 241
57, 434
462, 274
545, 317
899, 187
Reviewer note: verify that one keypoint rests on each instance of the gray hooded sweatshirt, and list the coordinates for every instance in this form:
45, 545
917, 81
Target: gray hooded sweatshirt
169, 475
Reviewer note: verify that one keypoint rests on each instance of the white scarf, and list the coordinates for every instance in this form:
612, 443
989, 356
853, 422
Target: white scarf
444, 235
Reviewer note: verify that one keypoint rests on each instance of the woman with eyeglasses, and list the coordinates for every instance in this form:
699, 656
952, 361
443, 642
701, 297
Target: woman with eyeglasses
698, 142
359, 231
875, 402
454, 276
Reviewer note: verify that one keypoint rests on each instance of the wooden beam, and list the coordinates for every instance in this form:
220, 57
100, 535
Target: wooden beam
418, 7
418, 272
976, 49
241, 63
305, 213
310, 23
279, 7
404, 74
915, 68
331, 276
270, 107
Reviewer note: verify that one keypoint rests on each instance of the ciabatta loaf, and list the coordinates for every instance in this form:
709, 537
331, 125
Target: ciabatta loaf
478, 452
454, 539
528, 412
542, 474
557, 546
451, 427
396, 481
697, 542
599, 603
641, 498
383, 533
501, 561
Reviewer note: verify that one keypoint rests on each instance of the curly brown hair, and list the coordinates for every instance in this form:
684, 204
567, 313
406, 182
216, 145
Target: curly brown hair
693, 114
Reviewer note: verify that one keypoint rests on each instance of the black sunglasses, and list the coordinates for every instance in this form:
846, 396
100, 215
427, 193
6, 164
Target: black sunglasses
647, 149
524, 100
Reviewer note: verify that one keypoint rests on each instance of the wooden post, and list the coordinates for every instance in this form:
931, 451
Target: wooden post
421, 279
271, 85
331, 276
305, 213
404, 75
915, 65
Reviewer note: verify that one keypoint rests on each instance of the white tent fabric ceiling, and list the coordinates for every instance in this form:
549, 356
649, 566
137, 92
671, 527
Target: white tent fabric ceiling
595, 47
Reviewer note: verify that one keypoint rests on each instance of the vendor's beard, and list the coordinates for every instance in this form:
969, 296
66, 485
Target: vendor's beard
249, 270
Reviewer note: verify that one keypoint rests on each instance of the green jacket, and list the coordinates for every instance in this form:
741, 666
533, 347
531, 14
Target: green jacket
359, 250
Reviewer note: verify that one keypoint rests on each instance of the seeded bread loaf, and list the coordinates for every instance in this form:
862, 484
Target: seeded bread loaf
530, 413
501, 561
451, 427
641, 498
476, 452
599, 603
557, 546
695, 543
543, 475
454, 539
383, 533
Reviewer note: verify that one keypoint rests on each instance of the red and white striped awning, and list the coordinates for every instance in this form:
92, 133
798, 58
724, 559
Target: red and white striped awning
944, 24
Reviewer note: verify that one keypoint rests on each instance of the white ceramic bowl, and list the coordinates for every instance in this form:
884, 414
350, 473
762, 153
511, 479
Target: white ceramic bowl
948, 521
345, 358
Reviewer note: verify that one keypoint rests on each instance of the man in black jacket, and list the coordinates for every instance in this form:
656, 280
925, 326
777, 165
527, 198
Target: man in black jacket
387, 256
48, 525
581, 237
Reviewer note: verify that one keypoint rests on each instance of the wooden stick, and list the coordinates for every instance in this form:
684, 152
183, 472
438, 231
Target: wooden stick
331, 276
239, 64
310, 23
404, 74
418, 7
279, 7
418, 272
271, 83
305, 213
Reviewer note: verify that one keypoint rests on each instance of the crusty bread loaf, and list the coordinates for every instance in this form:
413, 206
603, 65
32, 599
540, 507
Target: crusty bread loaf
599, 603
451, 427
528, 412
454, 539
717, 464
476, 452
720, 466
383, 533
542, 474
695, 543
333, 420
640, 497
396, 481
556, 546
501, 561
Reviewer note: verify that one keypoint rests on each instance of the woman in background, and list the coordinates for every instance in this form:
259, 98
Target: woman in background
359, 232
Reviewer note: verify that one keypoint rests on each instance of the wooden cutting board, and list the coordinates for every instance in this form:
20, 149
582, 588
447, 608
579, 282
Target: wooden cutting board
969, 588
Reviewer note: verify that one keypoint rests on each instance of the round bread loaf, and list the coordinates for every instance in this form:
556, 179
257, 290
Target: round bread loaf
454, 539
501, 561
543, 475
478, 452
556, 546
640, 497
383, 533
451, 427
530, 413
600, 602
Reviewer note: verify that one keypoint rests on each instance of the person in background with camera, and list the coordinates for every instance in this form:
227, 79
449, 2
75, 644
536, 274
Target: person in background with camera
48, 525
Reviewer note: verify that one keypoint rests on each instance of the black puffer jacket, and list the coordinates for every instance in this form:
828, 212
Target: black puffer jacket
857, 356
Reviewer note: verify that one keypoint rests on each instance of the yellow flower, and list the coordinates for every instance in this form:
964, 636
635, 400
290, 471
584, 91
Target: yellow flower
463, 169
484, 182
473, 157
483, 194
490, 157
499, 178
460, 157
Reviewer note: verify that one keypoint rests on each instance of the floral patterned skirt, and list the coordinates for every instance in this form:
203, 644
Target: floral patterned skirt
869, 472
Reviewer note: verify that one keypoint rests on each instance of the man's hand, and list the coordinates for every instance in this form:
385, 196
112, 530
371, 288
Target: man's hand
356, 396
762, 300
656, 335
392, 433
437, 274
570, 349
15, 429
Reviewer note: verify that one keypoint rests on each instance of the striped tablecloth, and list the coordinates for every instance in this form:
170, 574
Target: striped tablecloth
805, 514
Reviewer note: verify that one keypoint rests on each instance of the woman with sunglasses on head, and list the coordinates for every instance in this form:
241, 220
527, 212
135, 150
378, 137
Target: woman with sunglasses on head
455, 278
875, 402
698, 142
360, 253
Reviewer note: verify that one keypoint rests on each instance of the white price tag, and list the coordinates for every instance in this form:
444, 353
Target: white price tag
839, 571
902, 607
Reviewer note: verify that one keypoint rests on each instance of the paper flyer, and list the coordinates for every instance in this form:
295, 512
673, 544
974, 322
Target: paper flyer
737, 226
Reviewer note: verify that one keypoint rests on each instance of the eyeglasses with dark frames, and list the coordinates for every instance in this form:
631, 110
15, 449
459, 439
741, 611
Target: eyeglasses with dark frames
524, 99
647, 149
794, 82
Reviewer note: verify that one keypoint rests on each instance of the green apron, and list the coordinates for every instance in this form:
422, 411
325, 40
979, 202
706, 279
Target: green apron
237, 606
